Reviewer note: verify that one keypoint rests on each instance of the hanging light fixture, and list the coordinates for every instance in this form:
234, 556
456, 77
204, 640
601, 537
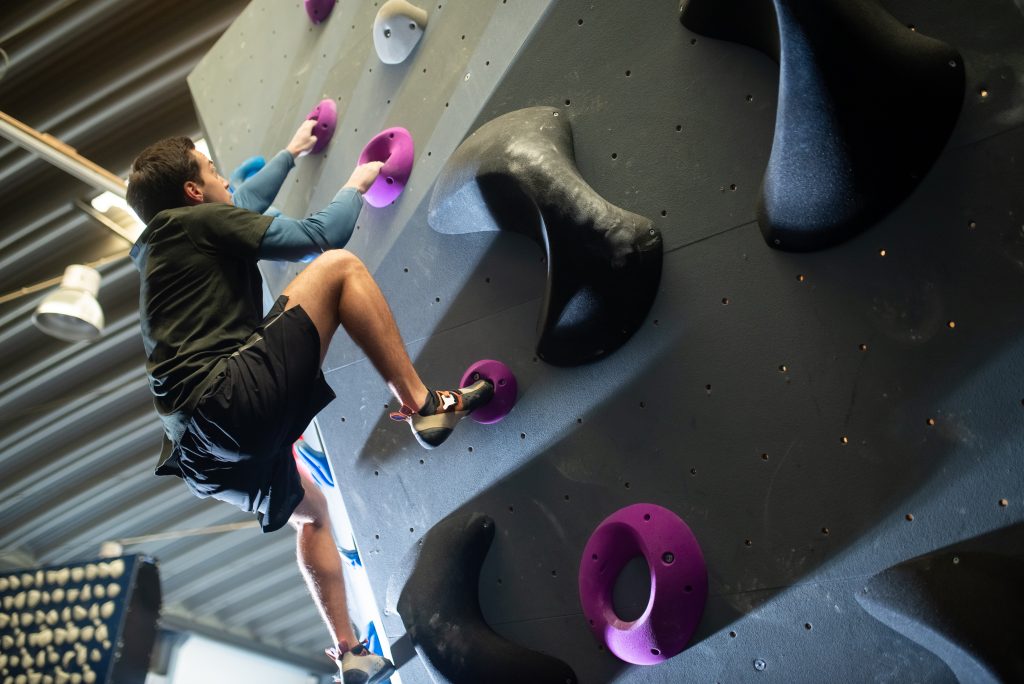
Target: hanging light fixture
71, 313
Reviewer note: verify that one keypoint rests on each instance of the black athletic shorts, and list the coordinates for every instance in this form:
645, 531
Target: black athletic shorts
237, 445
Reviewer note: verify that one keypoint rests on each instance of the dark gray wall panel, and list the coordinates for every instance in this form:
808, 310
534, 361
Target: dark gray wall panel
731, 405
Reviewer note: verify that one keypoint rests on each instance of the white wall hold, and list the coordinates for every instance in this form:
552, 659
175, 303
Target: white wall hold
397, 29
117, 568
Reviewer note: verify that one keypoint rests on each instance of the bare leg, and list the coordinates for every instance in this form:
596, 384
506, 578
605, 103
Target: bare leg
336, 289
320, 563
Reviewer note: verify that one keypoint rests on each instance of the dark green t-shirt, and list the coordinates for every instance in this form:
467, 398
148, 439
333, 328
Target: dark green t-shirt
201, 296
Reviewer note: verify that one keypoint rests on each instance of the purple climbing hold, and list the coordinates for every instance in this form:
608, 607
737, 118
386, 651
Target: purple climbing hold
394, 147
505, 389
318, 10
326, 115
679, 583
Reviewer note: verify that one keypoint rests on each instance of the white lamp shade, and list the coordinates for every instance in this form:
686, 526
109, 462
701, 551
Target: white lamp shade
71, 313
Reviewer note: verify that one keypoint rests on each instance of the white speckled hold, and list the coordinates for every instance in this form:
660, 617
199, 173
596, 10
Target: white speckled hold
86, 594
113, 590
102, 634
33, 598
77, 573
397, 30
117, 568
90, 572
107, 609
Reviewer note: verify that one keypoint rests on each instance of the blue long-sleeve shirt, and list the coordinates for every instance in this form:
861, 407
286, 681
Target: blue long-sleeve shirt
289, 239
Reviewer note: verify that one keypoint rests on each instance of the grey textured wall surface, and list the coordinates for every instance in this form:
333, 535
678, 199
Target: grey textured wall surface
814, 418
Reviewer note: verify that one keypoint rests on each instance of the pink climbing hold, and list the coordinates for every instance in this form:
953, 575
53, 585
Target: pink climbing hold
505, 389
679, 583
326, 115
318, 9
394, 147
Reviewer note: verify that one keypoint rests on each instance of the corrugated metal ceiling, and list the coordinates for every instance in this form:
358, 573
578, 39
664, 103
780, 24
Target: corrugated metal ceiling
78, 435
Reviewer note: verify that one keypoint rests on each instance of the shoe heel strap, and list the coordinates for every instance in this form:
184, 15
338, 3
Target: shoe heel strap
403, 414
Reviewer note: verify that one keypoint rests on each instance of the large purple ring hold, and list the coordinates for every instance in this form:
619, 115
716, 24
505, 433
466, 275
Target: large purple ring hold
318, 10
505, 389
394, 147
679, 583
326, 115
518, 172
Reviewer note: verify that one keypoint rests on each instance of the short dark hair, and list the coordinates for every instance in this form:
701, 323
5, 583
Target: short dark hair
158, 176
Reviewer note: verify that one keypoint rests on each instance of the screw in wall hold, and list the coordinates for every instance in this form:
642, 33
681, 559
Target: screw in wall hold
760, 665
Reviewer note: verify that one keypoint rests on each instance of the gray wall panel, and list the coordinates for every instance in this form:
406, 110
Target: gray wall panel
731, 404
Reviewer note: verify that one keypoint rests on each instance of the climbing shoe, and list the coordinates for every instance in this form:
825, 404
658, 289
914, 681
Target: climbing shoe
433, 423
359, 665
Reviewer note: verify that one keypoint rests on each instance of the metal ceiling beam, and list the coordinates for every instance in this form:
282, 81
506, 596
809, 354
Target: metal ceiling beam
60, 155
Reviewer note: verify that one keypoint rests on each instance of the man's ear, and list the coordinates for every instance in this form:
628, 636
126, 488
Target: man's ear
193, 193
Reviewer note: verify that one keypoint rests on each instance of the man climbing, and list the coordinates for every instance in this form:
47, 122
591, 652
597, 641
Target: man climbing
235, 388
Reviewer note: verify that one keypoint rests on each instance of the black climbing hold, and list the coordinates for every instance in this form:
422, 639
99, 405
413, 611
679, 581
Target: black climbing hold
518, 172
963, 606
865, 107
440, 607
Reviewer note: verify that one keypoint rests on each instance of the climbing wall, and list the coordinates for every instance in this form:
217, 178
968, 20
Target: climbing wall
815, 418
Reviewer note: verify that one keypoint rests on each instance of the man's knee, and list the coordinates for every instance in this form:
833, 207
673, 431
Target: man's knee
312, 510
340, 263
